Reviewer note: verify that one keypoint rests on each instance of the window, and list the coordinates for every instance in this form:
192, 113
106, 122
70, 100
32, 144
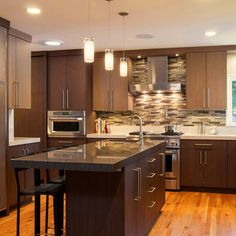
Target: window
231, 101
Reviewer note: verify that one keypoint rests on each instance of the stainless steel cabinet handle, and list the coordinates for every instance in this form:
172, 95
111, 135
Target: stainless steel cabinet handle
208, 98
205, 158
152, 160
62, 141
204, 97
152, 204
108, 100
67, 98
24, 152
18, 94
200, 157
163, 164
203, 145
151, 175
151, 190
112, 99
63, 99
139, 177
14, 87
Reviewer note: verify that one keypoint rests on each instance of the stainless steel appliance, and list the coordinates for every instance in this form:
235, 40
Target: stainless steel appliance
66, 123
172, 156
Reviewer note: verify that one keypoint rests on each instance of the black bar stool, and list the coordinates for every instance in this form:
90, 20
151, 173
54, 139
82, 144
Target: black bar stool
55, 190
57, 180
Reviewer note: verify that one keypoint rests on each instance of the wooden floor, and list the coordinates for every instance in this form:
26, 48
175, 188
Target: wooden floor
185, 214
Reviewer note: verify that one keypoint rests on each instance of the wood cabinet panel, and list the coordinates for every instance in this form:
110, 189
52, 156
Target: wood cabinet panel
32, 122
75, 83
232, 164
65, 142
196, 81
56, 83
216, 80
3, 138
3, 53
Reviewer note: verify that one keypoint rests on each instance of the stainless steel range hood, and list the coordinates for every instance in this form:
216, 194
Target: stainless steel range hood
157, 79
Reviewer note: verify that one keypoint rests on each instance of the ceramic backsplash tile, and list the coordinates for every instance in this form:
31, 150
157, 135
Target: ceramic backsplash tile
168, 107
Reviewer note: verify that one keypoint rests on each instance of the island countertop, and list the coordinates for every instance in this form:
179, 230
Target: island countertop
98, 156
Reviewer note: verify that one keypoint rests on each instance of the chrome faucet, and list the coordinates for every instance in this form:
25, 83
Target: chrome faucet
201, 127
140, 127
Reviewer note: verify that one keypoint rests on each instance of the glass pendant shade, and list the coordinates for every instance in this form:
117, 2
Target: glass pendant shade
88, 50
109, 59
123, 67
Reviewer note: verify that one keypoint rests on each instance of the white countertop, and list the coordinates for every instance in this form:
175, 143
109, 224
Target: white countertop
23, 140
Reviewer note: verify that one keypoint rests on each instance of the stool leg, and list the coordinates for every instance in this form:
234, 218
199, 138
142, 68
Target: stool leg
61, 211
37, 215
18, 216
46, 217
56, 210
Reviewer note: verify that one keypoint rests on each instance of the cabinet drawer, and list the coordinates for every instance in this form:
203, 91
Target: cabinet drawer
32, 148
204, 144
65, 142
16, 151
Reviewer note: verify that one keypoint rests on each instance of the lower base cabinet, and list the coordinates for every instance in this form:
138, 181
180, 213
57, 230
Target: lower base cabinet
204, 163
144, 194
231, 164
26, 177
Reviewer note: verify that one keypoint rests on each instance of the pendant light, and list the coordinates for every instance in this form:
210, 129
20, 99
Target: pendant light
123, 59
89, 42
109, 56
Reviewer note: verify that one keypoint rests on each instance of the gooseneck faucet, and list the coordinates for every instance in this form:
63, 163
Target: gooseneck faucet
140, 127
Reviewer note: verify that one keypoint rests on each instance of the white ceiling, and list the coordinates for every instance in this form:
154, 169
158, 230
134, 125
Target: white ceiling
172, 23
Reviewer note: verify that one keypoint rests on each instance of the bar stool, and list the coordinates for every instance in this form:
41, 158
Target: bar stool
58, 180
55, 190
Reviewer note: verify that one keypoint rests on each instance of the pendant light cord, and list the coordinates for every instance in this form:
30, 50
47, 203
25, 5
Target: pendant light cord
123, 36
109, 24
89, 10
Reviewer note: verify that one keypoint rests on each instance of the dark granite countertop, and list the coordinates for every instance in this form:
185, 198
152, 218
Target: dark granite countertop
98, 156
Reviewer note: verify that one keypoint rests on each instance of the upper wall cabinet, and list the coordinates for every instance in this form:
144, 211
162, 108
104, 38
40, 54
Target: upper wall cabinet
69, 83
110, 91
19, 70
206, 80
3, 53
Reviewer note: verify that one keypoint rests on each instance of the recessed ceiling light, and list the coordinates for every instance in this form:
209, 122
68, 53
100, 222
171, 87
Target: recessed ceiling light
33, 10
210, 33
139, 56
53, 43
177, 54
144, 36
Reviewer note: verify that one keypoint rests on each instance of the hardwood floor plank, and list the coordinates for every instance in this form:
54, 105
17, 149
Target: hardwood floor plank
185, 214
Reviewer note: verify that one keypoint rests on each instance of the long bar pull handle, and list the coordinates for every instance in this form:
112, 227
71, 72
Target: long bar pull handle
151, 190
62, 141
205, 158
63, 98
152, 160
67, 98
14, 88
200, 157
112, 93
151, 175
208, 98
18, 94
163, 164
138, 170
108, 100
204, 97
203, 145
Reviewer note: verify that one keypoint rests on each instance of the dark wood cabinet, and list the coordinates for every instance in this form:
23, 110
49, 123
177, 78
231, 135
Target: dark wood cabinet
3, 139
144, 194
69, 83
231, 164
110, 91
204, 163
26, 177
206, 80
33, 122
65, 142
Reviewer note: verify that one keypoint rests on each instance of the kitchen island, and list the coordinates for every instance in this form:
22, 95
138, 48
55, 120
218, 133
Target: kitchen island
113, 188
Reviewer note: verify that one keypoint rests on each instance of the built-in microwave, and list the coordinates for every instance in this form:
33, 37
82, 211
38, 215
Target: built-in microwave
66, 123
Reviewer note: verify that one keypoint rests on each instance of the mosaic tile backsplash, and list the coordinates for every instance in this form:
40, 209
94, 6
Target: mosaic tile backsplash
168, 107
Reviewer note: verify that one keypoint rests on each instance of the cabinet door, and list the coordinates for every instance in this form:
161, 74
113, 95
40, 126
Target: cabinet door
3, 53
101, 86
196, 81
231, 164
191, 167
216, 80
3, 137
23, 73
75, 83
12, 103
215, 170
119, 89
56, 83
